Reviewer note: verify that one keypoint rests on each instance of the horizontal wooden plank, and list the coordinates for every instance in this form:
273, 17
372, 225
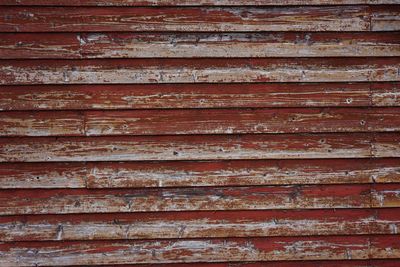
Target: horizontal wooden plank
115, 71
232, 250
209, 19
59, 201
385, 19
165, 96
385, 94
42, 175
385, 145
192, 2
175, 174
192, 45
63, 123
178, 225
229, 121
204, 121
293, 263
199, 147
213, 173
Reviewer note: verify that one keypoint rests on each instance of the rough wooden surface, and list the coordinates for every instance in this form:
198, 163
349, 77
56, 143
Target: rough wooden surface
214, 133
198, 173
59, 201
166, 96
216, 250
198, 71
221, 224
204, 121
200, 147
193, 2
142, 45
210, 19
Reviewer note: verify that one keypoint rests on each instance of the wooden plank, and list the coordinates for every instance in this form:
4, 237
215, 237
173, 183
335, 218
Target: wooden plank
385, 196
301, 263
192, 2
236, 121
385, 19
385, 94
205, 121
63, 123
178, 225
42, 175
165, 96
175, 174
204, 19
388, 248
216, 250
385, 145
192, 45
35, 45
59, 201
198, 147
113, 71
213, 173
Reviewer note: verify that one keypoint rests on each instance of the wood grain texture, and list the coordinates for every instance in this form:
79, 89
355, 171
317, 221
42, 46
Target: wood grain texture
240, 121
200, 147
166, 96
192, 45
103, 175
217, 250
205, 121
213, 133
59, 201
193, 2
210, 19
41, 175
384, 19
178, 225
385, 94
64, 123
293, 263
117, 71
212, 173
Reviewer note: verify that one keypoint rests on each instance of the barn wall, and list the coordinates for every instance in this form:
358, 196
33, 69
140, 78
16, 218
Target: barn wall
207, 132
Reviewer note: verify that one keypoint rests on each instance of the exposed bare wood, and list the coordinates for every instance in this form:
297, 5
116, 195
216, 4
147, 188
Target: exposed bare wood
385, 196
213, 173
198, 71
386, 19
193, 2
193, 199
211, 19
385, 94
217, 121
191, 45
199, 147
243, 249
42, 175
215, 133
62, 123
165, 96
240, 121
293, 263
132, 174
178, 225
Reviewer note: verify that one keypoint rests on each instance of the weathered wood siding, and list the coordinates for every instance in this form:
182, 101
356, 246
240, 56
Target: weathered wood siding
200, 132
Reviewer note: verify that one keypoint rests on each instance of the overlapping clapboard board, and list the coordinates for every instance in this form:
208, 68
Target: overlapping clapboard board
161, 131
